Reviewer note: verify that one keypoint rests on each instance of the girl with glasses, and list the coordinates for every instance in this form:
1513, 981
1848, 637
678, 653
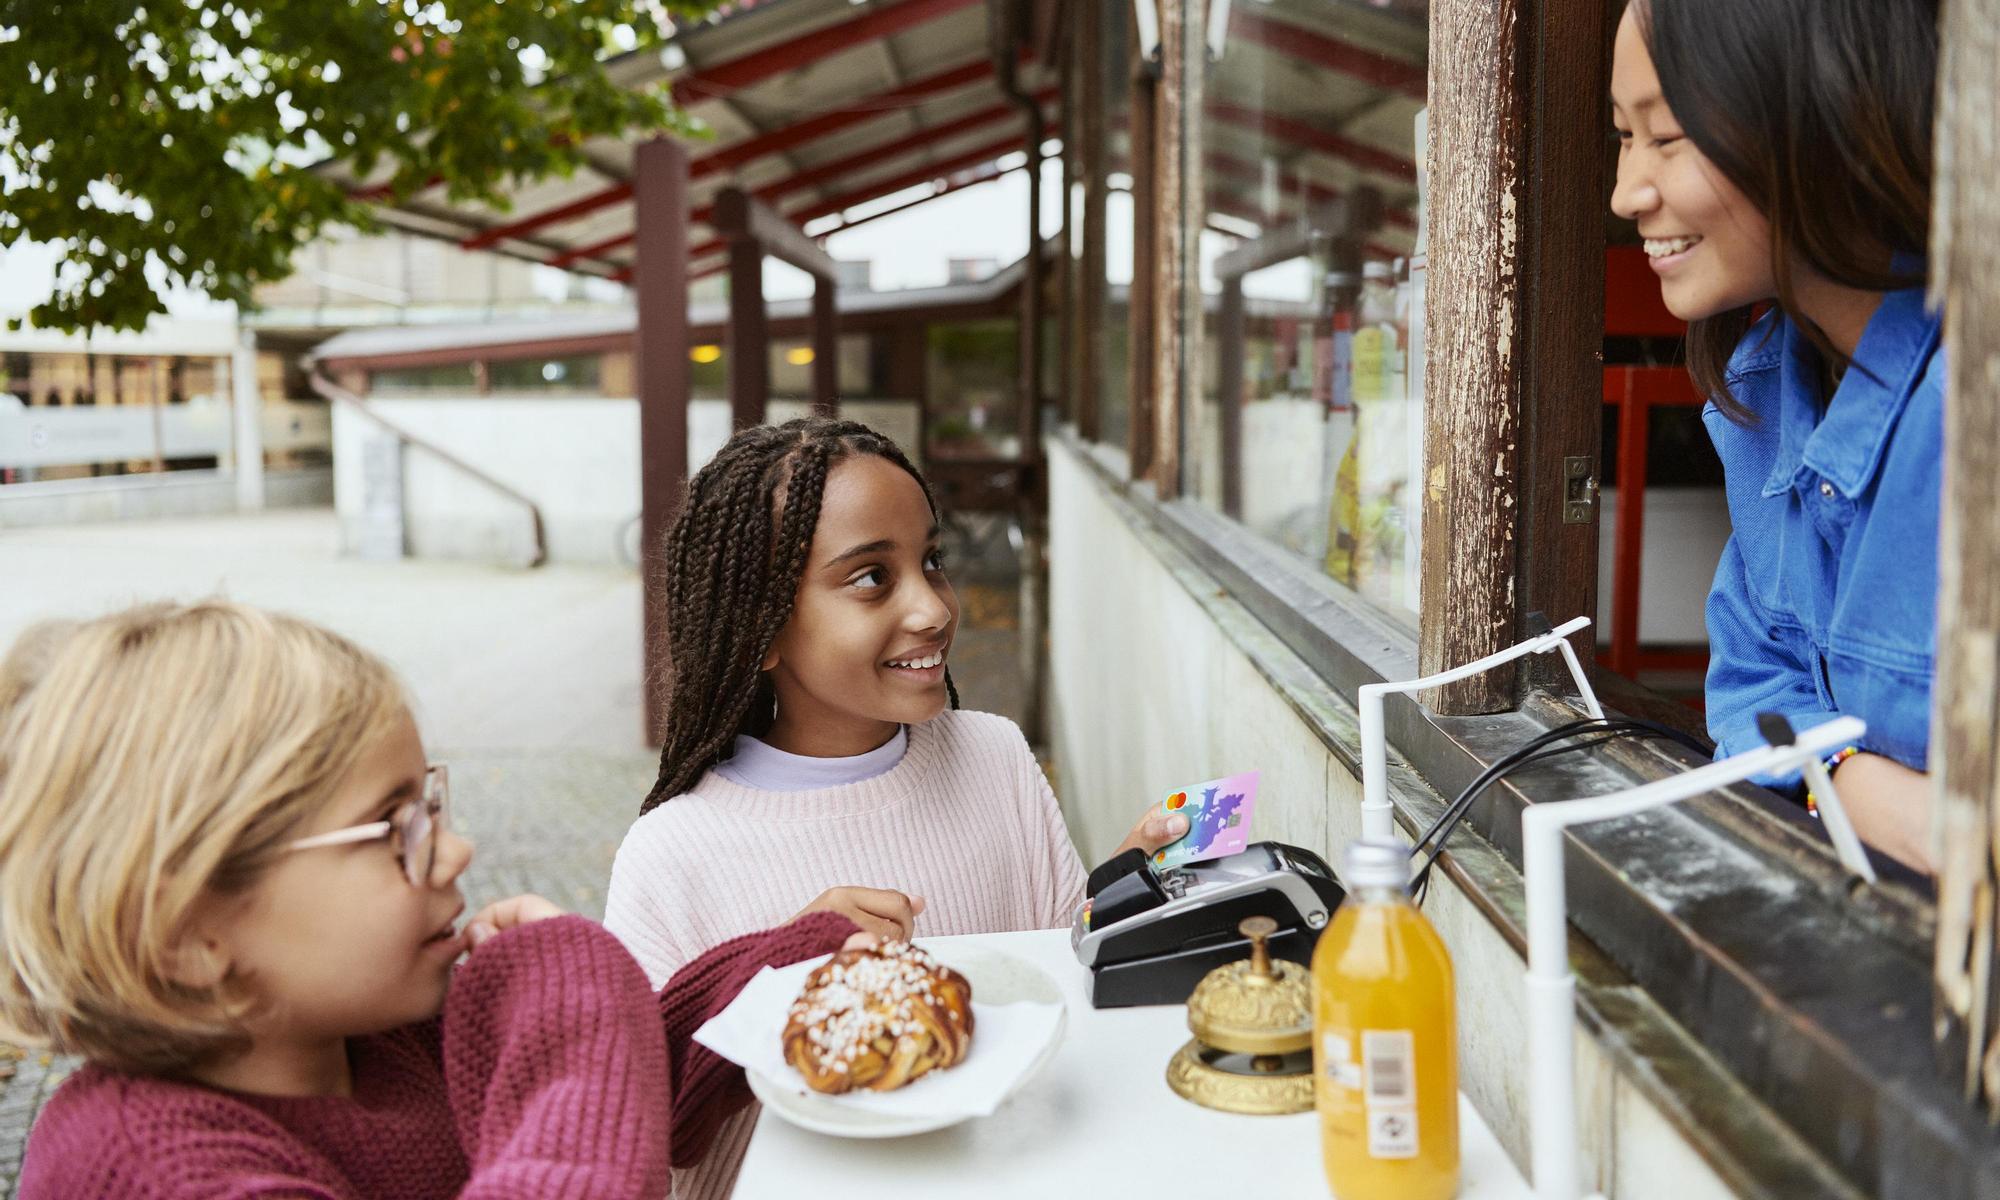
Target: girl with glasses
228, 879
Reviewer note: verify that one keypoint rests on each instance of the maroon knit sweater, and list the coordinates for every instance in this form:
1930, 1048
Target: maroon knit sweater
545, 1077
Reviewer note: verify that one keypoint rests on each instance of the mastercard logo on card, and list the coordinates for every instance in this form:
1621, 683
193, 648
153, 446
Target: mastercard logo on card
1177, 800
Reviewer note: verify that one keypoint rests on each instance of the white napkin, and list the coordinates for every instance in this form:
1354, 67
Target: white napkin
1006, 1041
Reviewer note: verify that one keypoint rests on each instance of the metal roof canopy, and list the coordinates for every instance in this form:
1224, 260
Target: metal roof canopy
819, 107
816, 106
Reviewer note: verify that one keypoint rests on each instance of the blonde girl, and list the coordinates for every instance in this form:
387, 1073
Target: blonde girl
228, 880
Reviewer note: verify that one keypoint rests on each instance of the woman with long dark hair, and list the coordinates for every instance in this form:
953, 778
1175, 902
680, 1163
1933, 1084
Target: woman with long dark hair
1776, 157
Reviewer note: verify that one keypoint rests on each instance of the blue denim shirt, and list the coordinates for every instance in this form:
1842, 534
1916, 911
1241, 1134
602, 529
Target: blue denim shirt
1825, 602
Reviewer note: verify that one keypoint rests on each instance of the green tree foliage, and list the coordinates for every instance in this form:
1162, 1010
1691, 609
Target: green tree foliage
184, 132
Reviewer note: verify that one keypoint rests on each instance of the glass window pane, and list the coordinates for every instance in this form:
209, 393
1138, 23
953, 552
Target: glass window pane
579, 373
446, 377
973, 374
791, 362
1310, 423
708, 371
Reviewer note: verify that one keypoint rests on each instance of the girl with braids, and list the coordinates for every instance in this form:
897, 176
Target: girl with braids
814, 737
1777, 155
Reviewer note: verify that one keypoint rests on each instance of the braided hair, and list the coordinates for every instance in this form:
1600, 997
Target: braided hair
734, 558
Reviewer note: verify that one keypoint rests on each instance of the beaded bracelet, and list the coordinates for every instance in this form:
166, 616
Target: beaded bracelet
1831, 764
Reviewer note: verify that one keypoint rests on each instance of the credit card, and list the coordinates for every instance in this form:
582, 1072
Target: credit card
1218, 814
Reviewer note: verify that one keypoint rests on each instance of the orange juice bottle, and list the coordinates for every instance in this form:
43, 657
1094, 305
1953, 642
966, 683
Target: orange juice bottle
1385, 1049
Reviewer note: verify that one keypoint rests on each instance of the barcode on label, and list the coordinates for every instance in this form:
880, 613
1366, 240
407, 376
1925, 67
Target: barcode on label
1388, 1063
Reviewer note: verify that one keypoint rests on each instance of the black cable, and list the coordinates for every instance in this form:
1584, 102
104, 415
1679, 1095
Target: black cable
1533, 751
1441, 829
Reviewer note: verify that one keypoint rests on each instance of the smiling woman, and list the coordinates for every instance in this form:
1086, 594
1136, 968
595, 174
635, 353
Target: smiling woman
1752, 178
1755, 184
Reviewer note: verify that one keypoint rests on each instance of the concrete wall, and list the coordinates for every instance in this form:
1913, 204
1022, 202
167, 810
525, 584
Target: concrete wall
137, 497
577, 458
1157, 678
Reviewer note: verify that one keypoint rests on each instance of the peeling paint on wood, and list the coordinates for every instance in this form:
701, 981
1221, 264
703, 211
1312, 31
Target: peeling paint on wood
1966, 281
1479, 114
1177, 181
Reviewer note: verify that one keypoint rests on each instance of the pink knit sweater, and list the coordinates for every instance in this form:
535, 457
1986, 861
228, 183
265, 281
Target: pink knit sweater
966, 820
546, 1076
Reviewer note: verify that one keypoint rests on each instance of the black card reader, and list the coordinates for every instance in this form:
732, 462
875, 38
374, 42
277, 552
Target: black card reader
1150, 934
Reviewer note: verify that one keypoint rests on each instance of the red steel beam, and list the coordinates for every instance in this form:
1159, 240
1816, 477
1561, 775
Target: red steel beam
1369, 66
814, 176
1231, 166
824, 172
720, 80
1381, 250
375, 191
616, 194
732, 156
1304, 133
910, 178
874, 191
594, 250
881, 21
779, 140
946, 190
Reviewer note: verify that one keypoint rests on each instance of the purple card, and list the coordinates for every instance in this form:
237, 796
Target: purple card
1218, 814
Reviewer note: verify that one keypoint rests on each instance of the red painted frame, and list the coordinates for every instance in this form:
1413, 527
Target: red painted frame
1370, 66
880, 21
1311, 137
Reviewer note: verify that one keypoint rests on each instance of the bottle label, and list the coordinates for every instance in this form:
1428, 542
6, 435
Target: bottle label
1389, 1092
1341, 1069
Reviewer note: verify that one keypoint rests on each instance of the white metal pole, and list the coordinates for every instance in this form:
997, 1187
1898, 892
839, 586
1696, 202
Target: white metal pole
1583, 688
1833, 815
1551, 1003
1378, 820
1377, 816
1550, 985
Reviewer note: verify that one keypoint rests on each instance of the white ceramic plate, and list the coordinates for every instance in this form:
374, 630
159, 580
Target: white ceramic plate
996, 978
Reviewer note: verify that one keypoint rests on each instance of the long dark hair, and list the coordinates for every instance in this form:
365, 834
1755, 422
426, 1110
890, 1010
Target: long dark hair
1819, 111
734, 557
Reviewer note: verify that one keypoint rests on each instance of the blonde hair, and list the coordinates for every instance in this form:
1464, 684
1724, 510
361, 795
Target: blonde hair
148, 759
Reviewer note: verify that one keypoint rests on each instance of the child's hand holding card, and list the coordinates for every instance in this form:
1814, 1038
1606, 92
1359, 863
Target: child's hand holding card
1218, 814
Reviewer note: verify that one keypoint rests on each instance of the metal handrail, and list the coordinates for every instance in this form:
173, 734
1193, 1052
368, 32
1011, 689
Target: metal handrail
336, 394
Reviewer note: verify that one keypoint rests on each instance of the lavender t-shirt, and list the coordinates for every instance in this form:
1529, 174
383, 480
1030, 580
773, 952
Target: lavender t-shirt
758, 764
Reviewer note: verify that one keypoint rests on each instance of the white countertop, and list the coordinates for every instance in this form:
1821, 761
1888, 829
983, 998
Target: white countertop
1097, 1121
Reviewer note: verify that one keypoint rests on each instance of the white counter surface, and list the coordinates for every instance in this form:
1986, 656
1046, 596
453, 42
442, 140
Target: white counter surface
1098, 1121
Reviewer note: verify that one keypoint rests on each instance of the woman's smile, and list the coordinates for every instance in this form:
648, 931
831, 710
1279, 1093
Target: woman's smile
1667, 253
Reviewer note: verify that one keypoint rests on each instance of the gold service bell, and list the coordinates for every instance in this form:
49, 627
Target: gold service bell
1252, 1026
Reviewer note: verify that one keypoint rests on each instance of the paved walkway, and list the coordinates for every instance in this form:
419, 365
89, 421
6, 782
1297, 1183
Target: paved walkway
526, 682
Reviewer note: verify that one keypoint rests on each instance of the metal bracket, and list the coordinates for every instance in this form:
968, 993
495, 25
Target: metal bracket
1579, 490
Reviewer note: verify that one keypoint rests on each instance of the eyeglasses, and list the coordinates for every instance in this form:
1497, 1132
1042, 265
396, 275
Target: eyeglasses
415, 825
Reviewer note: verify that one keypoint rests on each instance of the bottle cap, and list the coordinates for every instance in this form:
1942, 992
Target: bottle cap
1377, 864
